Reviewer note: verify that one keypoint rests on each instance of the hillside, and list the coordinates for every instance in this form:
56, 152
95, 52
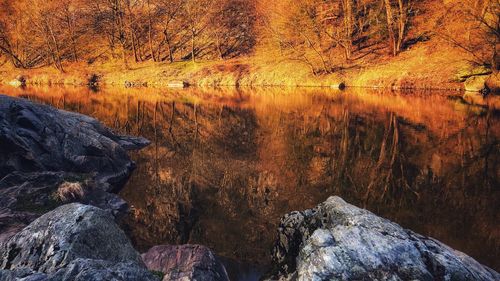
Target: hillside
439, 44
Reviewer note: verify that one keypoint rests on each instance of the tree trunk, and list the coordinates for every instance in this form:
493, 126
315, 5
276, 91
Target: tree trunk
390, 27
402, 25
72, 35
348, 19
57, 49
219, 48
150, 32
193, 45
16, 61
134, 47
169, 46
124, 55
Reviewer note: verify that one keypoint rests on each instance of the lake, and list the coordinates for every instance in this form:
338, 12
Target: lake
225, 164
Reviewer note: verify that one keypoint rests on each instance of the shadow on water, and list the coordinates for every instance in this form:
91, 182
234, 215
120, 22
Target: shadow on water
225, 165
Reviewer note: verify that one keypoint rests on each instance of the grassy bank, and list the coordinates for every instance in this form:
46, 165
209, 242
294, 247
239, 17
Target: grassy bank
419, 68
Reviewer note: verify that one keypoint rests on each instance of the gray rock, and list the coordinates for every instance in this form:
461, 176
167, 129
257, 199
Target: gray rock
25, 196
36, 138
84, 270
42, 148
74, 242
99, 270
338, 241
69, 232
186, 262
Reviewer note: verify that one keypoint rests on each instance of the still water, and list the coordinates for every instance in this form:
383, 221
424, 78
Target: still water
225, 165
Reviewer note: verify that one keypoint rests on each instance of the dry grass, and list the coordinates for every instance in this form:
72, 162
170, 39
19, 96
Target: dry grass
70, 192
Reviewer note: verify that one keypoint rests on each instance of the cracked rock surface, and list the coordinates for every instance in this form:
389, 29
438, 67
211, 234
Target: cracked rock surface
186, 262
42, 147
338, 241
72, 242
35, 138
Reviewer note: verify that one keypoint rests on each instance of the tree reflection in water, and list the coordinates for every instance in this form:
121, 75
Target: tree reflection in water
225, 165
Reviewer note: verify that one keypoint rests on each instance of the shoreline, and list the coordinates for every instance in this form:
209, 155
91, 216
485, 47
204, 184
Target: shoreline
240, 74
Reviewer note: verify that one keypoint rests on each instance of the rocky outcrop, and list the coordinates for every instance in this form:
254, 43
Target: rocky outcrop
186, 262
35, 138
338, 241
49, 157
73, 242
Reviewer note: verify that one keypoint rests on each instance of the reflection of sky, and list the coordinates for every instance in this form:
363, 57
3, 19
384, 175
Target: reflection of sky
224, 166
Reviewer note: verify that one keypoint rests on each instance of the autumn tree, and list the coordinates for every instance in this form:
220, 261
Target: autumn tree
483, 37
396, 24
198, 15
232, 27
8, 26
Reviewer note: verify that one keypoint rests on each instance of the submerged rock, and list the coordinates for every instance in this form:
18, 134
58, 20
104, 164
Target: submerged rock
338, 241
186, 262
73, 242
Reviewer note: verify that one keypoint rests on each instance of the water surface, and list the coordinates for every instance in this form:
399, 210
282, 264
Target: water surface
225, 165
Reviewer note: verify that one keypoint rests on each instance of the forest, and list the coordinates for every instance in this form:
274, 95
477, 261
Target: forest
324, 36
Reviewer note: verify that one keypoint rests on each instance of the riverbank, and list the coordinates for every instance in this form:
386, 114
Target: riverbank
417, 68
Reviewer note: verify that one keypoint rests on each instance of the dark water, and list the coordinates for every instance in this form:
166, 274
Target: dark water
225, 165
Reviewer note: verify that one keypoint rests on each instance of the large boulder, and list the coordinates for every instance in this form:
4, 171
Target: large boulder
49, 157
186, 262
72, 242
338, 241
84, 270
35, 138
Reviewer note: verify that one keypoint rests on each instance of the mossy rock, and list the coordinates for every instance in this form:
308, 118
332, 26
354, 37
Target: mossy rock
476, 84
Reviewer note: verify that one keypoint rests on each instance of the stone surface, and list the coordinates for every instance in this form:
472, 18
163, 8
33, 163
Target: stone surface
72, 242
35, 138
85, 270
69, 232
186, 262
42, 148
476, 84
338, 241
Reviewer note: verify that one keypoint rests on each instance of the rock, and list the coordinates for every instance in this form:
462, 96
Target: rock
338, 85
493, 83
84, 270
19, 81
338, 241
178, 84
73, 242
42, 149
476, 84
186, 262
35, 138
25, 196
135, 84
69, 232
